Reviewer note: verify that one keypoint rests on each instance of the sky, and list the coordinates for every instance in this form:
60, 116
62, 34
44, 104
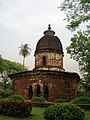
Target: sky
24, 21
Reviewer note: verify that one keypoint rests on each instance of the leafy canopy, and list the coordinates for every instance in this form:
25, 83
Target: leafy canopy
78, 14
8, 67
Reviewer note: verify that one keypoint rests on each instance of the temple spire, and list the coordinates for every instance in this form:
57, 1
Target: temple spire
49, 31
49, 27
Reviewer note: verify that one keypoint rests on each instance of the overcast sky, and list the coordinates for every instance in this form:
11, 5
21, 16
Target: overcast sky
24, 21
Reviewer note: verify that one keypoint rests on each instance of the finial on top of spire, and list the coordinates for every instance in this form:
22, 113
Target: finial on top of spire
49, 27
49, 31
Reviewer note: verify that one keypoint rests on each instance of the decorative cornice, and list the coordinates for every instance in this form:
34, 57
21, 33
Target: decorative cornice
61, 74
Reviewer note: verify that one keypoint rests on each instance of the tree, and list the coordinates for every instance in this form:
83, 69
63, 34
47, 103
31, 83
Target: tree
24, 51
78, 14
79, 50
8, 67
13, 67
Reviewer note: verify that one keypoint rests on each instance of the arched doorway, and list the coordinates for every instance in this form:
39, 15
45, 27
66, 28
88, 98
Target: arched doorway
30, 92
38, 92
46, 92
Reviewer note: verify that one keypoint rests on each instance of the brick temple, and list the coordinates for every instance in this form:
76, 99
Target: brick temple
48, 79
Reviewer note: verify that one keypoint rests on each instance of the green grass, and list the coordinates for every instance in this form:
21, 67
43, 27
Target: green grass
37, 114
87, 115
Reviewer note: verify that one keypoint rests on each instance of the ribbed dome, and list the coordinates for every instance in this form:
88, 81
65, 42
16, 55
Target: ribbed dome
49, 43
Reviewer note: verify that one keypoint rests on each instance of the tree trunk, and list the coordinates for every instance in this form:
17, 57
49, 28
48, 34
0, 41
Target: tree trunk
23, 61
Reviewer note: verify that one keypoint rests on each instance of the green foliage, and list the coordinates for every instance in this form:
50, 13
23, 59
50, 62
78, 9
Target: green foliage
38, 99
13, 67
8, 67
6, 82
16, 97
37, 114
83, 93
79, 50
82, 100
59, 100
1, 64
84, 85
64, 112
15, 108
2, 94
85, 1
77, 12
24, 51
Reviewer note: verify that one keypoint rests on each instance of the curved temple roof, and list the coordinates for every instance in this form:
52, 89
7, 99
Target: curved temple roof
49, 42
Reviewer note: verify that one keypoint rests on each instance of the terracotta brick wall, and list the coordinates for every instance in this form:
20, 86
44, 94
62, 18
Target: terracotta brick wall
60, 85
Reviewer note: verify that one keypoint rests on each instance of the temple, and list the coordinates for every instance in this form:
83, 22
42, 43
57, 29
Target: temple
48, 78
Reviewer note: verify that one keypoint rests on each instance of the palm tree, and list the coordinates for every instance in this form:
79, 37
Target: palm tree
24, 51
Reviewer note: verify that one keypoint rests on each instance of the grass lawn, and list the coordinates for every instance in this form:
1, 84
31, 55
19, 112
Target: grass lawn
37, 114
87, 115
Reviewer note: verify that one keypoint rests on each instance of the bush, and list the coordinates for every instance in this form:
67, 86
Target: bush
15, 108
81, 100
59, 101
38, 99
4, 94
64, 112
16, 97
86, 93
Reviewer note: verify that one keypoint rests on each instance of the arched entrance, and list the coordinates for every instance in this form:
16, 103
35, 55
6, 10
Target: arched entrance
30, 92
38, 92
46, 92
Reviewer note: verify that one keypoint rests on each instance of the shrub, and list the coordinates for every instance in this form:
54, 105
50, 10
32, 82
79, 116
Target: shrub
38, 99
15, 108
16, 97
64, 112
81, 100
59, 101
84, 93
2, 94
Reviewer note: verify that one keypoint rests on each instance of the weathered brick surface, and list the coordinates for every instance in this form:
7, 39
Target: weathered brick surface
60, 84
53, 61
